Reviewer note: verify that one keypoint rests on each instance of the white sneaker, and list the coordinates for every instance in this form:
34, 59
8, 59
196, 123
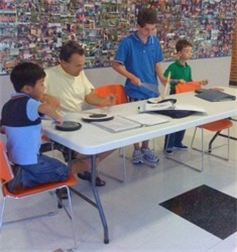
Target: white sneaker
149, 155
137, 157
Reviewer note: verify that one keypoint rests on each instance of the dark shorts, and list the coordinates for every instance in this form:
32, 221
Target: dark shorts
45, 171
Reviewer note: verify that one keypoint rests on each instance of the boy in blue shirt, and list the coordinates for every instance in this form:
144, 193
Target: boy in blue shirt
22, 125
139, 58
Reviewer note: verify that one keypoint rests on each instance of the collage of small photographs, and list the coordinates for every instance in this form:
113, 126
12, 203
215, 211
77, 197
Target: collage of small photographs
35, 29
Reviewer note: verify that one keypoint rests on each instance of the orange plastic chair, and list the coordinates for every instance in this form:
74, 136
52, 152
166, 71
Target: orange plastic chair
6, 175
216, 126
115, 89
187, 87
119, 92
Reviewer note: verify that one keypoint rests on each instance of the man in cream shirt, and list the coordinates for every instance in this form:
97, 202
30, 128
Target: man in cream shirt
69, 84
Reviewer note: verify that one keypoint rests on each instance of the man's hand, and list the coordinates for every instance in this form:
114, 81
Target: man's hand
135, 81
204, 82
109, 100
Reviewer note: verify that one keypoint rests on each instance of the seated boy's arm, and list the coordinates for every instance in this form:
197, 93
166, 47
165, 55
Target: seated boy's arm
46, 109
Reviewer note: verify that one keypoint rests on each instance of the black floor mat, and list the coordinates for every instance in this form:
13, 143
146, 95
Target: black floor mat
207, 208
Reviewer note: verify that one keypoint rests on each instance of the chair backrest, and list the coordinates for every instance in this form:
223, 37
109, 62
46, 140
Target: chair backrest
6, 173
187, 87
115, 89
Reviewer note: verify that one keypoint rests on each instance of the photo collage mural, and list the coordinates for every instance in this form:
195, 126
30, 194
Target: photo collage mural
34, 30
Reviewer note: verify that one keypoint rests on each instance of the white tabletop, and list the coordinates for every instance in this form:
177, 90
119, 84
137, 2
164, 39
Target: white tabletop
91, 139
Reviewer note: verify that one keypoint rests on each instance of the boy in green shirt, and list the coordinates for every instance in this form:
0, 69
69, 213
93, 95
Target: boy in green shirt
179, 71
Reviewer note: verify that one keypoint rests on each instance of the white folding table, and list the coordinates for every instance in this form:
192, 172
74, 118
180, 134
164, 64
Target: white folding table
92, 140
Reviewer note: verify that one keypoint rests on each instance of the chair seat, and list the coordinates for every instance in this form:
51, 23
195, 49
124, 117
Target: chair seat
217, 125
71, 181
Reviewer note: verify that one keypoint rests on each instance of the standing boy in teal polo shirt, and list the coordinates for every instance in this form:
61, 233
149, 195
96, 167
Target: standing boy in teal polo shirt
139, 58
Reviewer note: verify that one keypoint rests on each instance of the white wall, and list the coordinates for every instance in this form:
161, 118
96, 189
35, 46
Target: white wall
216, 71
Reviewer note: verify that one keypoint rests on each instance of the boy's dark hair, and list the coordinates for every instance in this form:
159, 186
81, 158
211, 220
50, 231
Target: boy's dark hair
147, 16
68, 49
181, 44
26, 73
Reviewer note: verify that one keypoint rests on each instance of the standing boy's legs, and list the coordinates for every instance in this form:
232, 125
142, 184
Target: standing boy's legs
169, 142
143, 152
178, 140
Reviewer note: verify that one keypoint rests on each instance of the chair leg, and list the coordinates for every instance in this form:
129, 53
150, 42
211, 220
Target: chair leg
71, 217
210, 148
228, 144
211, 141
2, 212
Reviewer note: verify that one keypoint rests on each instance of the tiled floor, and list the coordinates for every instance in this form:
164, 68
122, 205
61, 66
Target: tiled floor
136, 220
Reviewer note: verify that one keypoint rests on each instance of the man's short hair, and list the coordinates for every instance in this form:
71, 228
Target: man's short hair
181, 44
147, 16
68, 49
26, 73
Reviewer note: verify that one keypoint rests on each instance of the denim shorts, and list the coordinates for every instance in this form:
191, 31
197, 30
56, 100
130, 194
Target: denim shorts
47, 170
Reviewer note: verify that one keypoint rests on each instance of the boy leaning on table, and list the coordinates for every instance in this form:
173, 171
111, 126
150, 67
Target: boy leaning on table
21, 123
179, 71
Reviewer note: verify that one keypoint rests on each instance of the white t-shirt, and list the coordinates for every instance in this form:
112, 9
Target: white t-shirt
70, 90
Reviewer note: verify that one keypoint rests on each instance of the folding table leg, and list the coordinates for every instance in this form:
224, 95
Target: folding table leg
97, 199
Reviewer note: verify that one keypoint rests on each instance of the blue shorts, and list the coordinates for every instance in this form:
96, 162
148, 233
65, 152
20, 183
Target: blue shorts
45, 171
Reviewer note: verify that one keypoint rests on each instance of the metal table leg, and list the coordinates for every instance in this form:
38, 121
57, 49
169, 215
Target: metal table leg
97, 204
97, 199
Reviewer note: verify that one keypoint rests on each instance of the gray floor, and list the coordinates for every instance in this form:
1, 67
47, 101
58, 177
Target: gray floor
136, 220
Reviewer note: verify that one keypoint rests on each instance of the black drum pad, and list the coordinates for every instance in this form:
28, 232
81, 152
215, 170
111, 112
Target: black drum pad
68, 126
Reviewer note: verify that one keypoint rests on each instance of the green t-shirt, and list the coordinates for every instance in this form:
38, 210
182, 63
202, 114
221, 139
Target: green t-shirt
178, 72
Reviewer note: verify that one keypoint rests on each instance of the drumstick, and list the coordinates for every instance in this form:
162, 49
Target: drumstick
166, 89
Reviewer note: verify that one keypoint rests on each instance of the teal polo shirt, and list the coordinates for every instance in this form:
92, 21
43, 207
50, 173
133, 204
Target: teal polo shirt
140, 59
178, 72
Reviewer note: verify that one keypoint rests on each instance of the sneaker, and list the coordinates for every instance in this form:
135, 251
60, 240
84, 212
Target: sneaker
137, 157
150, 156
169, 151
181, 147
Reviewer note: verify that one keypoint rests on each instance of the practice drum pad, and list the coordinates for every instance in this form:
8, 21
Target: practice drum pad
68, 126
160, 100
97, 117
172, 100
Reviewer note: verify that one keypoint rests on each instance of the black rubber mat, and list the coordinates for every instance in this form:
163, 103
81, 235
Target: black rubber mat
208, 208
